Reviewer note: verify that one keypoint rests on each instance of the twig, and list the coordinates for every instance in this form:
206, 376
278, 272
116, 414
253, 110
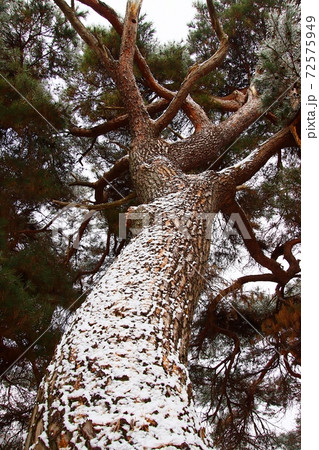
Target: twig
100, 206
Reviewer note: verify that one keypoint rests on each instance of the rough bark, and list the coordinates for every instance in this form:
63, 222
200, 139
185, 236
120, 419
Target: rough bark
119, 376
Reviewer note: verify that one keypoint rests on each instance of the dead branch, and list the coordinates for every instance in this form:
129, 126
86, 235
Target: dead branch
98, 207
71, 251
88, 150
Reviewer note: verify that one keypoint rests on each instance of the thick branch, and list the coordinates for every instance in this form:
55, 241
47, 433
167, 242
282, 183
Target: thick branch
238, 122
116, 123
228, 103
193, 111
204, 147
121, 72
128, 41
120, 166
246, 169
140, 121
215, 22
294, 266
105, 11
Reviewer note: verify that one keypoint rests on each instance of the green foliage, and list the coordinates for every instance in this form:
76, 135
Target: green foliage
273, 201
33, 281
280, 59
170, 62
37, 45
244, 22
16, 113
35, 37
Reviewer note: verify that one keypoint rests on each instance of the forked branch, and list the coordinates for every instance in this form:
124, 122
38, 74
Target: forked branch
193, 111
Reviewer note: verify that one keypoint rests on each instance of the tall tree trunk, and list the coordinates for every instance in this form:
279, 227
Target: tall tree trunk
119, 377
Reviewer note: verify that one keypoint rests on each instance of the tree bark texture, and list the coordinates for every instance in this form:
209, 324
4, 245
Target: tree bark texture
119, 378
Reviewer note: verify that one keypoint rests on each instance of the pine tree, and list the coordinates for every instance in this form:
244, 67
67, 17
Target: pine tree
33, 164
172, 161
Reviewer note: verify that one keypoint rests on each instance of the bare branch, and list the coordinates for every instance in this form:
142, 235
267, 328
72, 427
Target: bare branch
116, 123
228, 103
128, 41
253, 246
98, 207
78, 182
139, 119
215, 22
71, 251
87, 151
105, 11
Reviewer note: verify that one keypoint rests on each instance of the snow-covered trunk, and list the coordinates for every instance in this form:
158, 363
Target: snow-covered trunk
119, 379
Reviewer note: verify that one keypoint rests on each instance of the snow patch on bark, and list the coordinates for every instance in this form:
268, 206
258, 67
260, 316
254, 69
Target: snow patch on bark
117, 381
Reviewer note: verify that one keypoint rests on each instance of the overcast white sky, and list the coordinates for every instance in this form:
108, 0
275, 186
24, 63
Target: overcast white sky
170, 17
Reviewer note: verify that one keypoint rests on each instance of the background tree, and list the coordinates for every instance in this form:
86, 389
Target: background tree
223, 341
37, 45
